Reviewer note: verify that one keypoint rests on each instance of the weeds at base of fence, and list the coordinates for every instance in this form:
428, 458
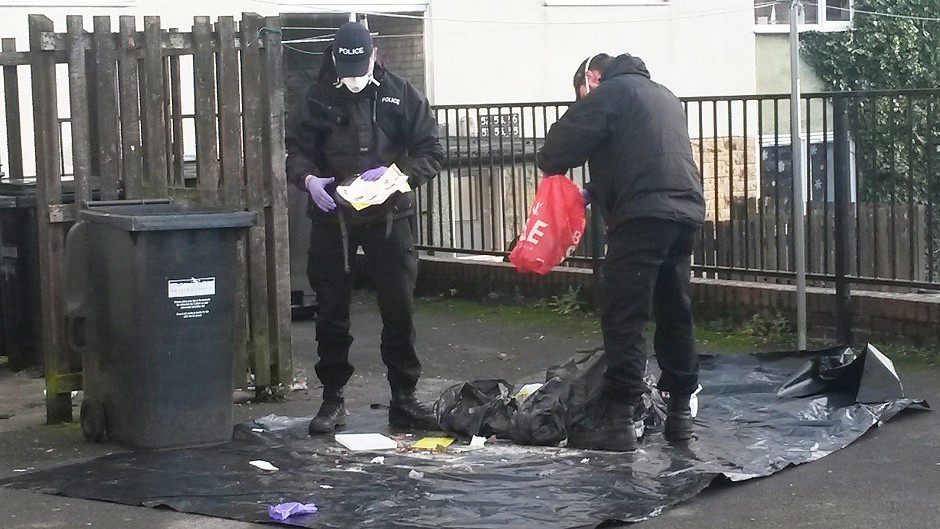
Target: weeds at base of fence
565, 304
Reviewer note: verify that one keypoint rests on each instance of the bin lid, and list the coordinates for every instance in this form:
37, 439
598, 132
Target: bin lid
26, 194
171, 216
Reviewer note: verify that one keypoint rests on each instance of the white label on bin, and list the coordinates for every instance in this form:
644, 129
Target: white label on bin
187, 288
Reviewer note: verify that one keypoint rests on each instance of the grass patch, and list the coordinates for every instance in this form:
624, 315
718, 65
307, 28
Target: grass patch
563, 315
557, 316
538, 315
909, 356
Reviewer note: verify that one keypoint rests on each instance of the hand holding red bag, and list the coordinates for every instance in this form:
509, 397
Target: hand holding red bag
554, 227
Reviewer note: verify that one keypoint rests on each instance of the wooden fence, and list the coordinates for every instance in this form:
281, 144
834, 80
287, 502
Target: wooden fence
125, 94
886, 241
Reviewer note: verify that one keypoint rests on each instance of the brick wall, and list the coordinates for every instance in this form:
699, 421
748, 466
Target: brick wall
401, 47
879, 317
736, 164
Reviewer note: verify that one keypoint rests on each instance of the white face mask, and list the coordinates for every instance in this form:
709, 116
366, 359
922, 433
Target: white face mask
356, 84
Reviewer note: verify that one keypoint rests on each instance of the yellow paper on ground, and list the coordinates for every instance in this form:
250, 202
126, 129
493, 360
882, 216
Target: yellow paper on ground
432, 443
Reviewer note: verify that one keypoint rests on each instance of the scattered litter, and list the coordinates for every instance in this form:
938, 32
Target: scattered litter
586, 460
527, 390
263, 465
433, 443
414, 474
693, 401
378, 460
326, 486
282, 511
477, 441
258, 430
27, 469
365, 441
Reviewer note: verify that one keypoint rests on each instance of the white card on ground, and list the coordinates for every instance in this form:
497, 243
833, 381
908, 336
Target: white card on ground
365, 441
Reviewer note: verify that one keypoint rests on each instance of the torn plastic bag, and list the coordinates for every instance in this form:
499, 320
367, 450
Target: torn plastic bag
868, 378
483, 407
566, 402
833, 371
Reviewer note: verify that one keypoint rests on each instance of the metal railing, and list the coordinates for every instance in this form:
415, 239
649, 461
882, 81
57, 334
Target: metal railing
869, 169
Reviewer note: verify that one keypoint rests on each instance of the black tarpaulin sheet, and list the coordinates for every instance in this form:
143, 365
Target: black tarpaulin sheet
757, 415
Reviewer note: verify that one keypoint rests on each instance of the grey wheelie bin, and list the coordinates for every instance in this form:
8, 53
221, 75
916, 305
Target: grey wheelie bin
19, 269
150, 305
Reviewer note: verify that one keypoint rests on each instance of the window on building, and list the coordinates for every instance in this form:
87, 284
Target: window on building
819, 14
776, 167
68, 3
604, 2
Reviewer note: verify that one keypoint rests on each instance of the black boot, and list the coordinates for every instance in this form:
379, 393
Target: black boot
678, 426
404, 411
613, 430
332, 412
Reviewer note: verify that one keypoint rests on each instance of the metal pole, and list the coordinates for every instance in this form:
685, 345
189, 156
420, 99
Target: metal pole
796, 11
843, 214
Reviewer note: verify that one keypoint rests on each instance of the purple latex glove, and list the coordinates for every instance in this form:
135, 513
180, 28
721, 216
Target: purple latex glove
317, 188
282, 511
373, 174
586, 195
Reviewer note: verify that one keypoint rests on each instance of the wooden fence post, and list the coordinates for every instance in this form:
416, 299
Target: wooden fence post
278, 250
252, 97
230, 162
81, 149
51, 234
207, 153
11, 90
129, 92
105, 95
152, 111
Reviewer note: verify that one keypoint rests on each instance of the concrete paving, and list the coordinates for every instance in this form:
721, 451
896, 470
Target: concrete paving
890, 478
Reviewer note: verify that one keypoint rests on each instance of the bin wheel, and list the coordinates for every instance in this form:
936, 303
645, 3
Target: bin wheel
94, 423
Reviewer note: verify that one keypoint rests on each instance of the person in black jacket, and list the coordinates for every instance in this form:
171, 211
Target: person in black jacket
634, 135
354, 120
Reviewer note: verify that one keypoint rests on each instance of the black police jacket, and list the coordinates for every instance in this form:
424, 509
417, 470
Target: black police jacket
338, 134
634, 135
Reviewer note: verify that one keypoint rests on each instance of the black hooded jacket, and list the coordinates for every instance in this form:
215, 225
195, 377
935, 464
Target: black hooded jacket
634, 134
338, 134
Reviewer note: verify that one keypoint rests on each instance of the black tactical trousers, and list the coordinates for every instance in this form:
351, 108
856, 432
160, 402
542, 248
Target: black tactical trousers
646, 273
392, 264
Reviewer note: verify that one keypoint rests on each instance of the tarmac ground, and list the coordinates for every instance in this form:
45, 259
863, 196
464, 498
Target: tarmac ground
890, 478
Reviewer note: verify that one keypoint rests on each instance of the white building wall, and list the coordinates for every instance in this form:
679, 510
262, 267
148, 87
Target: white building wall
490, 51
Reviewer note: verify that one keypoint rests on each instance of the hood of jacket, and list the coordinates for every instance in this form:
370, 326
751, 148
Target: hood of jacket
625, 64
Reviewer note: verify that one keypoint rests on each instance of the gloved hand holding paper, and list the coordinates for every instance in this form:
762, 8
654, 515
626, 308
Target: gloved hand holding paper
363, 193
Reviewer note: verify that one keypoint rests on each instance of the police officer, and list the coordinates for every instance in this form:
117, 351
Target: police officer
355, 119
634, 135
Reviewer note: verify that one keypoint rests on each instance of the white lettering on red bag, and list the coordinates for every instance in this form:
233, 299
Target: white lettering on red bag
536, 233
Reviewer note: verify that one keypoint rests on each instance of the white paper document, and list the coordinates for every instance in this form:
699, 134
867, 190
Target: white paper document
365, 441
361, 194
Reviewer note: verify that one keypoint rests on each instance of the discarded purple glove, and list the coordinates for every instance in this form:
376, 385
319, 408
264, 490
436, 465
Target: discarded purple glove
586, 195
282, 511
373, 174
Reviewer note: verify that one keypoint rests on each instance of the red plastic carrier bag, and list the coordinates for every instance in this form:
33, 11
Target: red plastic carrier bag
554, 227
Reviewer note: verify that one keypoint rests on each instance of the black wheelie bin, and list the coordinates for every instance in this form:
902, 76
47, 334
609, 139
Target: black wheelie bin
150, 305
